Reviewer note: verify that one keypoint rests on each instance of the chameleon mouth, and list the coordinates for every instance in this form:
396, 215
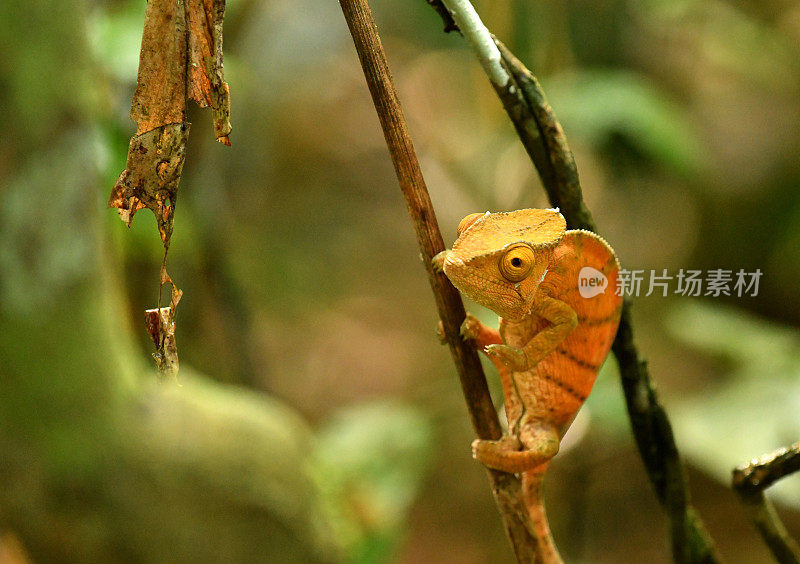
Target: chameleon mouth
528, 302
488, 291
452, 260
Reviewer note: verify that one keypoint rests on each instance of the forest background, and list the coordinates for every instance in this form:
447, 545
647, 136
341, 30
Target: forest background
301, 276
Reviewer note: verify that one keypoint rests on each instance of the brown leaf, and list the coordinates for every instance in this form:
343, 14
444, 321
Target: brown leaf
160, 96
176, 62
161, 327
180, 58
206, 77
160, 324
155, 161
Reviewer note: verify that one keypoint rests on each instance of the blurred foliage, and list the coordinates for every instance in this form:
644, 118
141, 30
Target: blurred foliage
300, 268
371, 460
38, 257
755, 407
614, 111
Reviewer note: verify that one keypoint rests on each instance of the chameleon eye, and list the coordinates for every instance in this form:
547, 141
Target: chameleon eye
467, 221
517, 262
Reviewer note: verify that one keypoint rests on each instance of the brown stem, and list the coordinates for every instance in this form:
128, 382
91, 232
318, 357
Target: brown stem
505, 487
544, 140
750, 481
444, 13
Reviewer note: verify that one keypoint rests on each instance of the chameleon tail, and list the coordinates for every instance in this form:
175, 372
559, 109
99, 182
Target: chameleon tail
532, 493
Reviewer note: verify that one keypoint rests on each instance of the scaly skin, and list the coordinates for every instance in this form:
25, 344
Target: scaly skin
525, 267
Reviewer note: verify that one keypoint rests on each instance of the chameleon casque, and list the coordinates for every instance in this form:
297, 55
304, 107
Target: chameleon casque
526, 267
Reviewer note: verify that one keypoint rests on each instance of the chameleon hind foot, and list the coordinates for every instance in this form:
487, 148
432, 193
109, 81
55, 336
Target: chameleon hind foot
510, 454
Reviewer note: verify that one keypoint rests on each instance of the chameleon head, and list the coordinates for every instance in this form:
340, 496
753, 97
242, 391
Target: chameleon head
499, 259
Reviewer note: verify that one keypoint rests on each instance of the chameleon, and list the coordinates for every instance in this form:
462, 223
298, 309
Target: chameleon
526, 267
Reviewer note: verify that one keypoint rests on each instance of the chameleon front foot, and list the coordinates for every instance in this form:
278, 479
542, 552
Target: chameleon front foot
511, 357
471, 328
438, 261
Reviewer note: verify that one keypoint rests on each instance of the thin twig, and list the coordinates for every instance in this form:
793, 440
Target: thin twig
447, 19
543, 138
548, 148
506, 487
750, 481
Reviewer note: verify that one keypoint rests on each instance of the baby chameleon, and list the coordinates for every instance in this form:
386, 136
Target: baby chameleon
526, 267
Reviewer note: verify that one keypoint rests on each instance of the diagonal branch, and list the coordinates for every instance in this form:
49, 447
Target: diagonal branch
444, 13
546, 144
506, 487
750, 481
544, 140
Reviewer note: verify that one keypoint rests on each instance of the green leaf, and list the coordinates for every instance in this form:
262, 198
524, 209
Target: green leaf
372, 458
597, 106
755, 408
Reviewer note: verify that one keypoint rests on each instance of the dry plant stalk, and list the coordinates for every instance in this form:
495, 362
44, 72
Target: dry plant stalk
505, 487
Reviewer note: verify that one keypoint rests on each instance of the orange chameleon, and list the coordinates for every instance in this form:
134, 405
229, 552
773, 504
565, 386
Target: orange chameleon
555, 293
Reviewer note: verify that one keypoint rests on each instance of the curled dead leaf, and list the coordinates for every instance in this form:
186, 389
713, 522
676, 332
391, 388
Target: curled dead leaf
160, 324
180, 59
206, 76
152, 174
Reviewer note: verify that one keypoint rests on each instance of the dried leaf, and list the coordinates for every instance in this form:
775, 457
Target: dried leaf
160, 96
155, 161
180, 59
176, 62
206, 78
160, 323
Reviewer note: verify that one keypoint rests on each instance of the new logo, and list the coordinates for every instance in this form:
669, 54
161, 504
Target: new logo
591, 282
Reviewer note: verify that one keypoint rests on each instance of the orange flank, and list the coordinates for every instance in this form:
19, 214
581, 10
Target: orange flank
572, 367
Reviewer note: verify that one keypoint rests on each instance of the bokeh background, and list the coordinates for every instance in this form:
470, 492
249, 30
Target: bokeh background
302, 279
